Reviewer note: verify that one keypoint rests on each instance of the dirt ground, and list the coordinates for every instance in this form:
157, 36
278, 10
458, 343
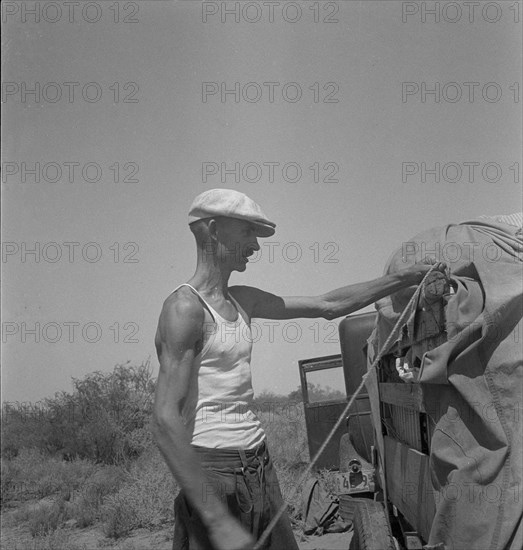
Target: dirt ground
18, 537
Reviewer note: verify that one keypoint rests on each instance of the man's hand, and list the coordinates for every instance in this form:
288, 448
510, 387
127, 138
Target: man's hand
228, 534
420, 269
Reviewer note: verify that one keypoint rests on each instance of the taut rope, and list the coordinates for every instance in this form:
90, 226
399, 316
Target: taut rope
384, 348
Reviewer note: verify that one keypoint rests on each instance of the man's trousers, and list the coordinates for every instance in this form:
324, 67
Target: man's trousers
246, 482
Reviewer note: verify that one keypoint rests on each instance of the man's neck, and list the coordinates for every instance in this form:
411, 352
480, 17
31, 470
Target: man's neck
210, 280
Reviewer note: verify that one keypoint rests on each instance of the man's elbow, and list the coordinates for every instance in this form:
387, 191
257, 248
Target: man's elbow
162, 424
328, 310
334, 309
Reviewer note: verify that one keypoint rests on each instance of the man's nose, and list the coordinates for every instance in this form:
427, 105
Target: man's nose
252, 246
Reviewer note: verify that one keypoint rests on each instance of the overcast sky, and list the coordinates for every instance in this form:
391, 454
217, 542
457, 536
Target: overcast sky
332, 115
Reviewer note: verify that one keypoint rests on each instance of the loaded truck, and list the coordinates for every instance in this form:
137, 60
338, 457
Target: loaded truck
429, 455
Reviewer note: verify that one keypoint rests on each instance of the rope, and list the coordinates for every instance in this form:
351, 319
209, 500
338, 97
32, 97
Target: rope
384, 348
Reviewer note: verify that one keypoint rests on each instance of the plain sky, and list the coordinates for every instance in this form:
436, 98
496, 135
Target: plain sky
144, 123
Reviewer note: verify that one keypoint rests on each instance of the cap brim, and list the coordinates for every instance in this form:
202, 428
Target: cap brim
263, 229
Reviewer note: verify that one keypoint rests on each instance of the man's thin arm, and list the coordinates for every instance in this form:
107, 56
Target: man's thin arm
351, 298
336, 303
178, 332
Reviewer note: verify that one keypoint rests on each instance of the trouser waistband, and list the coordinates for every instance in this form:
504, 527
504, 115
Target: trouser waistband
232, 458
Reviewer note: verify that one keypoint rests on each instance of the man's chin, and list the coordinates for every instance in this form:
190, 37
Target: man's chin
241, 266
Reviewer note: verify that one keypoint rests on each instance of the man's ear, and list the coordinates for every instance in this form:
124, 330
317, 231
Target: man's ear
212, 227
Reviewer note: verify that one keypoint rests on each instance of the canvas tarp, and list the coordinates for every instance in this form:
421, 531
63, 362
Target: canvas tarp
472, 382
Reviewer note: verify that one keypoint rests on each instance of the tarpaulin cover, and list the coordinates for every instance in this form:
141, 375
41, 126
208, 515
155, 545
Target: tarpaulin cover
472, 382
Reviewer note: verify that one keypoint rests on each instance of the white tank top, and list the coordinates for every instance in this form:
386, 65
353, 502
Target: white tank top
218, 409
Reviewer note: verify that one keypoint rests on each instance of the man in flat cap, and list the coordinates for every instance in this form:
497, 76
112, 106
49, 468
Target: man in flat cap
203, 423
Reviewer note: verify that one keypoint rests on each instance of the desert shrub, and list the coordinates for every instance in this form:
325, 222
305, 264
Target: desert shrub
112, 413
46, 517
146, 499
34, 474
85, 511
21, 427
105, 418
120, 519
86, 502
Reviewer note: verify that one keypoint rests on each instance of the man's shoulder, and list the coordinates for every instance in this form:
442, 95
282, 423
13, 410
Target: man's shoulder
182, 306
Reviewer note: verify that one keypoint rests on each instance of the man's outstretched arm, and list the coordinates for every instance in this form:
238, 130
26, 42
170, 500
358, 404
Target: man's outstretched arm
336, 303
179, 330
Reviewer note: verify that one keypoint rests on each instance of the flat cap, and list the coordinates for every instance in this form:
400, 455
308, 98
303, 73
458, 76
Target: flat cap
231, 204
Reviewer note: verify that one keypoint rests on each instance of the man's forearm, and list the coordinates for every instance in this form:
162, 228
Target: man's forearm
351, 298
186, 468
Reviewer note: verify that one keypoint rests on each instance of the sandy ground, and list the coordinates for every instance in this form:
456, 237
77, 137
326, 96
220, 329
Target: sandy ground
18, 537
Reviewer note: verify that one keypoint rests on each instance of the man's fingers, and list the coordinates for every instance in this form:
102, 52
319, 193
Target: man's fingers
428, 260
440, 266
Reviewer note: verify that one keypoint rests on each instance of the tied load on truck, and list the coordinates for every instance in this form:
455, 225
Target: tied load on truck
430, 453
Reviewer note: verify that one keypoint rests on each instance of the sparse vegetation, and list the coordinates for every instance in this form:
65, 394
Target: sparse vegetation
87, 458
